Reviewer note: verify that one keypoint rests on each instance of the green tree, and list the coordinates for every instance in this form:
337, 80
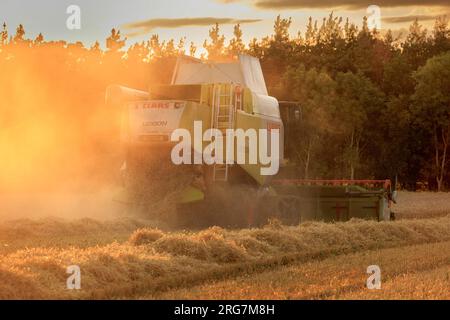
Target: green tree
330, 31
39, 39
181, 46
255, 48
192, 49
350, 31
236, 45
441, 36
115, 42
169, 49
277, 52
397, 77
311, 33
4, 35
315, 90
281, 30
355, 112
216, 47
20, 34
155, 47
432, 109
416, 46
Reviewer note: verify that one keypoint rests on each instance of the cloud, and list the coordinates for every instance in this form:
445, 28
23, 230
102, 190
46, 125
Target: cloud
410, 18
142, 27
347, 4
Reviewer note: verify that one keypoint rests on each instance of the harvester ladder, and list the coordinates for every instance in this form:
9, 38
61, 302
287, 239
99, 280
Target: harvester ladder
223, 119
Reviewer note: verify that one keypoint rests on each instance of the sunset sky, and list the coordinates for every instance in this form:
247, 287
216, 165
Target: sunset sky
192, 18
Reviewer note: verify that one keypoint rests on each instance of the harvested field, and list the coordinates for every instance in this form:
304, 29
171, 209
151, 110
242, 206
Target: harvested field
156, 262
128, 257
60, 233
411, 272
412, 205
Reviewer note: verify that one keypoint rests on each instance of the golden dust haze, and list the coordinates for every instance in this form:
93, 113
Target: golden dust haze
55, 127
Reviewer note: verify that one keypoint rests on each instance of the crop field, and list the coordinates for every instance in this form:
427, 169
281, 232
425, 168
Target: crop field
410, 272
134, 258
422, 205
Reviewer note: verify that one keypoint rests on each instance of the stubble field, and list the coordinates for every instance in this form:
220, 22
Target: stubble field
132, 258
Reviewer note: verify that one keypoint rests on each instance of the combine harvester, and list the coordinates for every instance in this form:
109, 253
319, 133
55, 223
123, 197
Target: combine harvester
227, 96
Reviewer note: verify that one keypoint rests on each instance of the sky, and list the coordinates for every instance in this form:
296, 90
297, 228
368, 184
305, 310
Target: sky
139, 19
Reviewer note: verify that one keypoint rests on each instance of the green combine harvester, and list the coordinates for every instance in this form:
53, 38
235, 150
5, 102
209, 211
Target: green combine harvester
228, 97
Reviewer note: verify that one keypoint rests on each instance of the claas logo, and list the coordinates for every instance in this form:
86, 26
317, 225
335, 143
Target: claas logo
156, 105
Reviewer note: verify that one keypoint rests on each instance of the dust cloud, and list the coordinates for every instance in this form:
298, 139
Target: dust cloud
100, 205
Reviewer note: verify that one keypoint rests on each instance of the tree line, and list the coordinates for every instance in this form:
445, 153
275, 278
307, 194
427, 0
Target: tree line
373, 105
